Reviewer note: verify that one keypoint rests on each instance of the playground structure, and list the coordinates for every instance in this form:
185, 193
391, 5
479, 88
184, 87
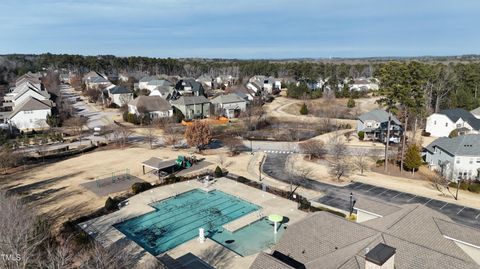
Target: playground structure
161, 168
112, 178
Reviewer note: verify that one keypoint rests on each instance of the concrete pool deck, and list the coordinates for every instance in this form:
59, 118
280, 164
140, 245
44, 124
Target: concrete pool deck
103, 231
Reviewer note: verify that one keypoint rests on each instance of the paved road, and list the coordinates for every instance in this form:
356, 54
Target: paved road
338, 197
292, 147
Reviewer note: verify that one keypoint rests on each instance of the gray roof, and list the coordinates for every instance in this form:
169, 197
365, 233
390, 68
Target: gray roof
463, 145
32, 104
159, 82
190, 100
148, 78
377, 115
119, 90
324, 240
151, 103
476, 111
163, 89
98, 80
228, 98
457, 113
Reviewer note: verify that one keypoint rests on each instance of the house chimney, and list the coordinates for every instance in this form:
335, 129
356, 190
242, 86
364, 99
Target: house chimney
380, 257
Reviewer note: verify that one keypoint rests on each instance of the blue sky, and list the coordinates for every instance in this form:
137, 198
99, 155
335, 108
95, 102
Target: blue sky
241, 28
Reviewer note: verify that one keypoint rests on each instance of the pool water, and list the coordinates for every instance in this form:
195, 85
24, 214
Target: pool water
250, 239
177, 219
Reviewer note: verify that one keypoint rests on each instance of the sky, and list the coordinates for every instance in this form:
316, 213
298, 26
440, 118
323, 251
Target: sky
243, 29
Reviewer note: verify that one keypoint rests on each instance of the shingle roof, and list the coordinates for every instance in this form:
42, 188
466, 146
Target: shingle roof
457, 113
98, 80
159, 82
190, 100
377, 115
463, 145
195, 85
151, 103
228, 98
476, 111
323, 240
119, 90
31, 104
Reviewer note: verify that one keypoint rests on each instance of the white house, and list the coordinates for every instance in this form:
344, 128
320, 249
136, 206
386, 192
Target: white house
31, 114
231, 105
444, 122
206, 80
163, 91
152, 84
267, 84
363, 84
119, 95
155, 106
455, 158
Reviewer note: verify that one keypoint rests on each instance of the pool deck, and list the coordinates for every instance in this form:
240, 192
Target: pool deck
103, 231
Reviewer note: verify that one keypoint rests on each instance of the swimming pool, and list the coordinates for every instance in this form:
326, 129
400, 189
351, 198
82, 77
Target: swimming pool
250, 239
177, 219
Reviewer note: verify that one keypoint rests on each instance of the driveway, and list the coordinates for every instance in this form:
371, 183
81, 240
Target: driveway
339, 197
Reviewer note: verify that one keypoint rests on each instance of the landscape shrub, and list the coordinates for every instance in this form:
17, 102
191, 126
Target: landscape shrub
379, 163
425, 133
113, 105
139, 187
361, 135
474, 187
463, 185
110, 204
218, 171
304, 109
351, 103
453, 133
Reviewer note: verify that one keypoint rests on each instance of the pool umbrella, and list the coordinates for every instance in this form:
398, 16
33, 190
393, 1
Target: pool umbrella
275, 219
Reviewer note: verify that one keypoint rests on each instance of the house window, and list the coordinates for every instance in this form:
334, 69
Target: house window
446, 124
478, 160
434, 122
471, 160
459, 125
458, 160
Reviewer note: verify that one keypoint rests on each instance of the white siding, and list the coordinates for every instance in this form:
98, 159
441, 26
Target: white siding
27, 120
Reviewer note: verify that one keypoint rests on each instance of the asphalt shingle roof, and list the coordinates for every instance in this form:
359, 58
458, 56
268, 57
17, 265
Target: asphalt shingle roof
151, 103
463, 145
323, 240
228, 98
457, 113
377, 115
190, 100
119, 90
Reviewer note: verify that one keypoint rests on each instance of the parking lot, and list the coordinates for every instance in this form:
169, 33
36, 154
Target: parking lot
339, 197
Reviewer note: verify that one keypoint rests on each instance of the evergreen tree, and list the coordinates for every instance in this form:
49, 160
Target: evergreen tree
413, 158
304, 109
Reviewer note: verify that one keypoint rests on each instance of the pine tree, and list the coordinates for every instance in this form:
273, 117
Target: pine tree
413, 159
304, 109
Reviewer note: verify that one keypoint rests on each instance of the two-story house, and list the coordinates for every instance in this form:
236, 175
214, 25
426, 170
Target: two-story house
442, 123
374, 124
230, 105
455, 158
192, 107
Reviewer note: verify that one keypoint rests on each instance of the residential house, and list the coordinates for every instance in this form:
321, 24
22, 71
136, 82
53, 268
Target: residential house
27, 105
255, 86
119, 95
192, 107
152, 84
444, 122
241, 91
455, 158
190, 87
31, 114
374, 124
206, 80
155, 106
95, 80
230, 105
476, 112
142, 83
267, 84
363, 84
384, 237
166, 92
225, 80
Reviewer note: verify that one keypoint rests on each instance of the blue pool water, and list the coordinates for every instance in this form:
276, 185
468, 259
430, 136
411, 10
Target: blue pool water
251, 239
177, 219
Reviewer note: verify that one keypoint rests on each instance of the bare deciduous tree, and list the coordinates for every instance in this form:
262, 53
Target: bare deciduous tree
313, 148
360, 161
298, 174
121, 135
339, 165
252, 116
234, 144
198, 134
